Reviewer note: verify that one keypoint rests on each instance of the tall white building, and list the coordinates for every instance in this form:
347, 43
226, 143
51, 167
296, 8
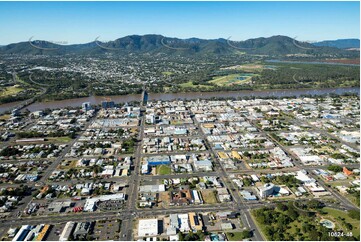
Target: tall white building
266, 190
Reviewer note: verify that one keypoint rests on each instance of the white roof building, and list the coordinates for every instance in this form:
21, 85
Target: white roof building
203, 165
148, 227
184, 222
304, 178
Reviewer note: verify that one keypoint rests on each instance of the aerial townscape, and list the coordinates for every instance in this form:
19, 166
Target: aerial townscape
153, 138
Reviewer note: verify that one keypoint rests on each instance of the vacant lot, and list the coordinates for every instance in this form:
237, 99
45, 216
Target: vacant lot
209, 196
164, 170
65, 165
164, 199
5, 117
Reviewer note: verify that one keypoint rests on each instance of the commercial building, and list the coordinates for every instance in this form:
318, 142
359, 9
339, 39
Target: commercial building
148, 227
248, 195
158, 160
145, 168
67, 231
82, 229
91, 203
44, 232
108, 104
152, 188
195, 222
236, 155
204, 165
196, 197
184, 222
22, 233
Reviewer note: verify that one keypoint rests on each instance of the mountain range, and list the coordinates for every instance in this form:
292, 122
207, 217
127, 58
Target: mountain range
340, 43
273, 46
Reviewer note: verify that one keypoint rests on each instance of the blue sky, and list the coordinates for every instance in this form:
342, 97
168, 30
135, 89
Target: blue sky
82, 22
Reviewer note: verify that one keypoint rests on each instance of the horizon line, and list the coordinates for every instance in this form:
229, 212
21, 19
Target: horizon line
65, 43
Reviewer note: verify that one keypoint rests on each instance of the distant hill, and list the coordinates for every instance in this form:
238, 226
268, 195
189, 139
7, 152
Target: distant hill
151, 43
340, 43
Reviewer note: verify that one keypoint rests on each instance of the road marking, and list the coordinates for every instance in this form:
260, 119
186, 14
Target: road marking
247, 221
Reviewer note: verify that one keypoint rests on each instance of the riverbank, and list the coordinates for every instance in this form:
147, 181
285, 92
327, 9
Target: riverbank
94, 100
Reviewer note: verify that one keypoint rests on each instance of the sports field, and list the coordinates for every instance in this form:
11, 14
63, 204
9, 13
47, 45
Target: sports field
232, 79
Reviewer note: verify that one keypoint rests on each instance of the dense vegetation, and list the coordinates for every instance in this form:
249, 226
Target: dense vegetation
334, 168
144, 61
276, 46
286, 222
307, 76
18, 191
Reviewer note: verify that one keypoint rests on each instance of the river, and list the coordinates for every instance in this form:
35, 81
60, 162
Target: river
310, 62
184, 96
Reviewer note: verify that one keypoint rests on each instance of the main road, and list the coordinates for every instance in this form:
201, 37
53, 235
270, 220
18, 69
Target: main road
239, 203
134, 179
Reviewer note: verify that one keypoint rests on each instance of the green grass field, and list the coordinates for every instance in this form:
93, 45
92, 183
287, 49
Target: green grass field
167, 73
164, 170
191, 85
9, 91
231, 79
352, 199
237, 236
64, 139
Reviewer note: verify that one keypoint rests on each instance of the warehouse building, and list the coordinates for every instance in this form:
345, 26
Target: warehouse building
158, 160
67, 231
148, 227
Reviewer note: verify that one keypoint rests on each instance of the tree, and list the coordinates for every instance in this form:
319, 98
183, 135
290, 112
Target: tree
281, 207
97, 169
335, 168
269, 231
181, 236
314, 204
201, 235
246, 234
265, 179
292, 213
191, 236
247, 182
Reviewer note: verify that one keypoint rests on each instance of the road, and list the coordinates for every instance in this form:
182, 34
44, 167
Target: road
26, 102
239, 203
131, 211
345, 203
44, 179
127, 224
